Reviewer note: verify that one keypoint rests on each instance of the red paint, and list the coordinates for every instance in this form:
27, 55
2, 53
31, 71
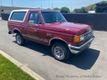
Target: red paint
46, 32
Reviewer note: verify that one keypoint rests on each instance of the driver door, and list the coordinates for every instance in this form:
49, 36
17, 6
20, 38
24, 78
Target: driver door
32, 29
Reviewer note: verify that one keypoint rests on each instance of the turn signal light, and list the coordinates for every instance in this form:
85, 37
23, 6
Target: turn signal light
77, 39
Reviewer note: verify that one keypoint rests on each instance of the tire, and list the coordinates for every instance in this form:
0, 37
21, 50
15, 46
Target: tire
60, 51
19, 39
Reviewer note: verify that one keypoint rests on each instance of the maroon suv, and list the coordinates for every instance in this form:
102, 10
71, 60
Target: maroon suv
50, 28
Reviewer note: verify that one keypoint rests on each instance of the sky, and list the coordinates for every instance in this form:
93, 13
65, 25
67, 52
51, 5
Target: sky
72, 4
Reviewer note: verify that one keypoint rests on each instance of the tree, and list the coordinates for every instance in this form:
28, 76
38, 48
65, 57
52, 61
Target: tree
77, 11
91, 7
65, 10
81, 10
49, 8
56, 8
98, 7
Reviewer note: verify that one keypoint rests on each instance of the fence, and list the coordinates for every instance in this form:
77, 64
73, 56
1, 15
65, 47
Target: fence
97, 20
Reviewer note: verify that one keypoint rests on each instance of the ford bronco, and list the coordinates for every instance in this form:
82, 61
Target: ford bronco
50, 28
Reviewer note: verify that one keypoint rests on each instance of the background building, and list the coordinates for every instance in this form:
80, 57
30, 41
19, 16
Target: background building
101, 7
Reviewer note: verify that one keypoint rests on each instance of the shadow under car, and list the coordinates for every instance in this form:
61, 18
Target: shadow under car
84, 60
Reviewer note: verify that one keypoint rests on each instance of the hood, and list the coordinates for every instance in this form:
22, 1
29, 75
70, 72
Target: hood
68, 27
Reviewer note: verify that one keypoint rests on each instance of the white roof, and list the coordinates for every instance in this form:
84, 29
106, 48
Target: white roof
20, 10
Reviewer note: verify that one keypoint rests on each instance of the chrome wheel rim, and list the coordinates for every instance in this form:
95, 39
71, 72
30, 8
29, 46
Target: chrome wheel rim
18, 39
59, 53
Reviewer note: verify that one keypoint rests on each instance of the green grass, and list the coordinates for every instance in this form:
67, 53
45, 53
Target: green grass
9, 71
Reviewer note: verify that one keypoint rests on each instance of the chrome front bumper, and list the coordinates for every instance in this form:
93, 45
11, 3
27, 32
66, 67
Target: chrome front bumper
78, 49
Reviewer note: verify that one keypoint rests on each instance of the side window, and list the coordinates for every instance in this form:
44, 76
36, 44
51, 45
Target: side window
34, 18
19, 16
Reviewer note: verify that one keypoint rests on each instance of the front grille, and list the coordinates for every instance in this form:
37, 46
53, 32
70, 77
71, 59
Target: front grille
88, 35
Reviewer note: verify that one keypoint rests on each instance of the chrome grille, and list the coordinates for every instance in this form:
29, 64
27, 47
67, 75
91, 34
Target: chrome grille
88, 35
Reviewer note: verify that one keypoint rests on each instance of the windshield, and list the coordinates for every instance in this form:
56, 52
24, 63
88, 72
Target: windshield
51, 17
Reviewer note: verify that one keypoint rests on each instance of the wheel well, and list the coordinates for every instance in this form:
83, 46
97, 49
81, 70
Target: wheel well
57, 41
16, 31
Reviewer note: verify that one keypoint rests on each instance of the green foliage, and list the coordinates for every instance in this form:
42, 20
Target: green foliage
65, 10
49, 8
81, 10
56, 9
90, 7
8, 71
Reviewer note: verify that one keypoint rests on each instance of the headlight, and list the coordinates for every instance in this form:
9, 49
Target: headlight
78, 39
82, 38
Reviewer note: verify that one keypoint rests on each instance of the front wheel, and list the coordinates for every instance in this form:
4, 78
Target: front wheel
19, 39
60, 51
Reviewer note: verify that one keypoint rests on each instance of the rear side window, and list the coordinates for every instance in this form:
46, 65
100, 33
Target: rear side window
18, 16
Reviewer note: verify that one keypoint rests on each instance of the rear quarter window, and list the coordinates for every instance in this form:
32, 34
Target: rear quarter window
18, 16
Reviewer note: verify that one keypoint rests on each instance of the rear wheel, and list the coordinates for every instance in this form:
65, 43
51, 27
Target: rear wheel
60, 51
19, 39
